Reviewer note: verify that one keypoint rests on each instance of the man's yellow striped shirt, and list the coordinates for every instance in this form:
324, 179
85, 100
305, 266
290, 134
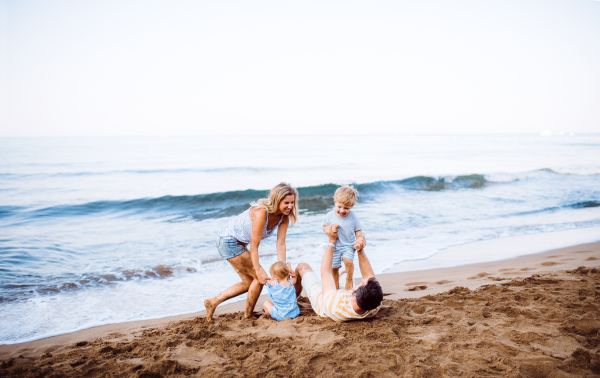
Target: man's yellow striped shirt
338, 306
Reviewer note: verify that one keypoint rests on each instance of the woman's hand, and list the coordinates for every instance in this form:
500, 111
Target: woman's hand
292, 274
262, 276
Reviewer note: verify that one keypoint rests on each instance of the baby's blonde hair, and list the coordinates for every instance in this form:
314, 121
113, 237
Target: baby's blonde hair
278, 193
280, 269
346, 194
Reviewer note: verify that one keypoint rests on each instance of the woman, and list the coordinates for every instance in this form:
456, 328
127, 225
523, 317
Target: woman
250, 227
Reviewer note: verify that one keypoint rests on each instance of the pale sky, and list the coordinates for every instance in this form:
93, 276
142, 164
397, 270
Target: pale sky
104, 67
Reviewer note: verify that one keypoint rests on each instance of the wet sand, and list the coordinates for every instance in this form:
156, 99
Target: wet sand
532, 316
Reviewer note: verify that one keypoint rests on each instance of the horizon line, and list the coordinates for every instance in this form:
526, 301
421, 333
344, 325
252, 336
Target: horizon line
539, 134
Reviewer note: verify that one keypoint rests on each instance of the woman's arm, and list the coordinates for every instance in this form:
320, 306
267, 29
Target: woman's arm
292, 274
258, 216
281, 233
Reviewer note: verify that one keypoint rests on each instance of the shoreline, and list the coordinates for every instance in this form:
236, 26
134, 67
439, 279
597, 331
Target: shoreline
396, 285
471, 253
489, 250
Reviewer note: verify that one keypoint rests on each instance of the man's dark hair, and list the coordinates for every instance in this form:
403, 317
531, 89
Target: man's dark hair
370, 295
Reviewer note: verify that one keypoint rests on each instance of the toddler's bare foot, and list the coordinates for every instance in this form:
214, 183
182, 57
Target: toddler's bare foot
210, 310
349, 286
251, 317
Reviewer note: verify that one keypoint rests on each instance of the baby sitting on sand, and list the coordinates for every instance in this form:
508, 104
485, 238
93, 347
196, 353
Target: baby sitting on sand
350, 237
282, 293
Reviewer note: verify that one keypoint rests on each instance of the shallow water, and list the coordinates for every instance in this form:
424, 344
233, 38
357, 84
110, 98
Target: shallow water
103, 230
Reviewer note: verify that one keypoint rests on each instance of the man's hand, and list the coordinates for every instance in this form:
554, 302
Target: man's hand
360, 243
332, 231
262, 276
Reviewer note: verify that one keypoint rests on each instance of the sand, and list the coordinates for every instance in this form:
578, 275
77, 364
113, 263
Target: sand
532, 316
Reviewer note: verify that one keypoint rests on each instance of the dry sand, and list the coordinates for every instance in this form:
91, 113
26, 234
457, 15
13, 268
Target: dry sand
532, 316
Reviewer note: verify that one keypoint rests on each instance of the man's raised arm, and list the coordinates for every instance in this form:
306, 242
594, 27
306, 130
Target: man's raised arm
328, 284
365, 266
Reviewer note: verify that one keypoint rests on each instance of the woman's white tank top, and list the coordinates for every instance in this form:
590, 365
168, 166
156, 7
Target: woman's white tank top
240, 227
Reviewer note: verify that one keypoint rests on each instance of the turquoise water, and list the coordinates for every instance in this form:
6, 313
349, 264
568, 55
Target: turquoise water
103, 230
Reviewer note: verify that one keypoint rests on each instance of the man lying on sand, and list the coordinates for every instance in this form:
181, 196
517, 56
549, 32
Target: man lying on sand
340, 305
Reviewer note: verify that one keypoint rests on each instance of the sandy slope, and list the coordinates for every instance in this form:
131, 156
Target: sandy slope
512, 318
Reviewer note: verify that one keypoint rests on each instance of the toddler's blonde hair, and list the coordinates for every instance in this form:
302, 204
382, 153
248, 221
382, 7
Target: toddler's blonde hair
346, 194
280, 269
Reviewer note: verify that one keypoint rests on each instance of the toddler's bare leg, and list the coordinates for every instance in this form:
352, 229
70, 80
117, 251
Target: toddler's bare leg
335, 272
267, 306
349, 273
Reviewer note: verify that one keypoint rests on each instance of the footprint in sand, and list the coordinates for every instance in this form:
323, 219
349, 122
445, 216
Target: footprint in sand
551, 257
506, 270
415, 283
591, 259
417, 288
583, 251
526, 269
550, 263
480, 275
442, 282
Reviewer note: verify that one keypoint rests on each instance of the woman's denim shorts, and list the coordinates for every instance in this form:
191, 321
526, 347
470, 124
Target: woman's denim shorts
229, 248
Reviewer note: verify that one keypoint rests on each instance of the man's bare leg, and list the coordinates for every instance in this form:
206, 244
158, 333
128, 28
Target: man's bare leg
301, 270
335, 272
349, 273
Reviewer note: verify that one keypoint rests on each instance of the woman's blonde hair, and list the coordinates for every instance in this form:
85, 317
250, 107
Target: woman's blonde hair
275, 196
280, 269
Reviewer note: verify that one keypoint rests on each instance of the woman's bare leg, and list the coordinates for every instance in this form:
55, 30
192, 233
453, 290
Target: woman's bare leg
253, 294
244, 268
233, 291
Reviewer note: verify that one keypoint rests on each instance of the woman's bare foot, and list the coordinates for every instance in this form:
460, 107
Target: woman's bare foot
210, 310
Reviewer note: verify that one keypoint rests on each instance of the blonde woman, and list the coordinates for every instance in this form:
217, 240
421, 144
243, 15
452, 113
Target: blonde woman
250, 227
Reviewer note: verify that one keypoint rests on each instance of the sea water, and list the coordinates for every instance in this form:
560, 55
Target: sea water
105, 230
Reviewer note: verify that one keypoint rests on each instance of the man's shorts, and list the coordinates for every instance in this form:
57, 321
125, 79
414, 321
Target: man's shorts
311, 283
339, 252
229, 248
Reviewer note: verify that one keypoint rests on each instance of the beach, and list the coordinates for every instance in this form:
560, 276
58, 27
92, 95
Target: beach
145, 145
531, 316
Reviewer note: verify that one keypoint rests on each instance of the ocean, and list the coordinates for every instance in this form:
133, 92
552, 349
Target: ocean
105, 230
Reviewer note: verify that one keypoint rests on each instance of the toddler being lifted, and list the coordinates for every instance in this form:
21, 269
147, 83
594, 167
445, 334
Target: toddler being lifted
350, 237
